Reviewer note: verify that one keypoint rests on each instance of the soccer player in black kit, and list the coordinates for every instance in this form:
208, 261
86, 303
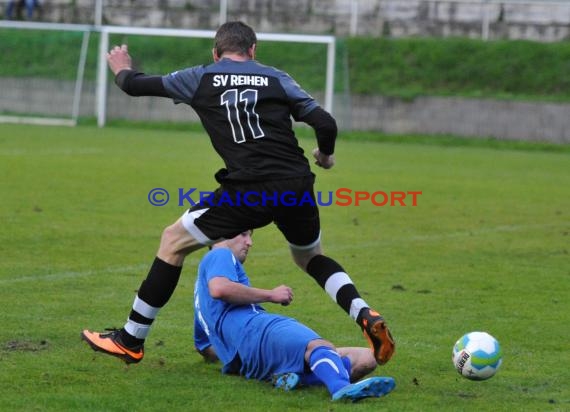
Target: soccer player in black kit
246, 109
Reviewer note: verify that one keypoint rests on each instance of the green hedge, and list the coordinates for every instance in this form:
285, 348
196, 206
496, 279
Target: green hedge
504, 69
392, 67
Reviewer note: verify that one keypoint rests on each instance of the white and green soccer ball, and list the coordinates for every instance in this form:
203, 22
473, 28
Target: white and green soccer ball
477, 356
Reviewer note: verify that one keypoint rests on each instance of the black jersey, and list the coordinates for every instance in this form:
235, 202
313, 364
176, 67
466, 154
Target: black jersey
246, 109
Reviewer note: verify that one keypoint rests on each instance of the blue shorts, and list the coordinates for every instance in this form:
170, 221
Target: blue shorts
273, 344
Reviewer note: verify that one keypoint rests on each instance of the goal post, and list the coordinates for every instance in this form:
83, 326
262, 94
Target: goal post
106, 31
46, 98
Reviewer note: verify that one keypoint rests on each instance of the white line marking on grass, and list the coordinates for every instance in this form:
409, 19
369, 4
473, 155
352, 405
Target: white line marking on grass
52, 152
142, 268
72, 274
427, 238
283, 251
483, 231
462, 234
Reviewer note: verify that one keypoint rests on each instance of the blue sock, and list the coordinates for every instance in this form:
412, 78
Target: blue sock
310, 379
329, 368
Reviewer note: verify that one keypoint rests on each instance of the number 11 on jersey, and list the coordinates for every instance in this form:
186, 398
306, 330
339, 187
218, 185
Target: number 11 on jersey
241, 105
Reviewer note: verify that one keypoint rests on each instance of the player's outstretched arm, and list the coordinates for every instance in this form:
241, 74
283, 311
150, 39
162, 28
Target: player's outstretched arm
222, 288
130, 81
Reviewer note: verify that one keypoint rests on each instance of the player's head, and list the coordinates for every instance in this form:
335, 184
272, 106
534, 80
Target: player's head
239, 245
235, 37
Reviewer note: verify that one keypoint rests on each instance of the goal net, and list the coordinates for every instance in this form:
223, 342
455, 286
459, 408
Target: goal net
40, 86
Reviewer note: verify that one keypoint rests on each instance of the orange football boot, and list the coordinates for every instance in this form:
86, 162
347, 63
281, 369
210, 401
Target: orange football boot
378, 335
110, 343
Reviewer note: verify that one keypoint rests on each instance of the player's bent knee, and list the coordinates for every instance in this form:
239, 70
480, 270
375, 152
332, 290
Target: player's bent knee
176, 243
301, 262
302, 257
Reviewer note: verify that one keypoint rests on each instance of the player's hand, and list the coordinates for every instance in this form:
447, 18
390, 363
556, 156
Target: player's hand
118, 59
209, 354
282, 294
323, 160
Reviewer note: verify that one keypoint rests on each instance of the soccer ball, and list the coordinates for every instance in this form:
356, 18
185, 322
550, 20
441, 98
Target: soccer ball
477, 356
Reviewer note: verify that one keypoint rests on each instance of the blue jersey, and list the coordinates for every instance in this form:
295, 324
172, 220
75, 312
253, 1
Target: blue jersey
212, 313
246, 338
246, 109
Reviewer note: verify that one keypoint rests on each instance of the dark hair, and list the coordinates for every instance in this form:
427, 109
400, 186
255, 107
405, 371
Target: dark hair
251, 234
234, 37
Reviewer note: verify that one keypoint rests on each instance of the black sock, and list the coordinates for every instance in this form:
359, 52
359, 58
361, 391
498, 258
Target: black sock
129, 340
361, 316
160, 283
321, 268
155, 291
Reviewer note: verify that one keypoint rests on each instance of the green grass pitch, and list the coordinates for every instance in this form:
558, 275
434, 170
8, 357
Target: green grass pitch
486, 248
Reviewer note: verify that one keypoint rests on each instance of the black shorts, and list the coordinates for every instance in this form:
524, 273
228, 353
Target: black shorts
239, 206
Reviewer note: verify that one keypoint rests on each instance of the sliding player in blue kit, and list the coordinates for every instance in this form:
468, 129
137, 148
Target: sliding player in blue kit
246, 109
260, 345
